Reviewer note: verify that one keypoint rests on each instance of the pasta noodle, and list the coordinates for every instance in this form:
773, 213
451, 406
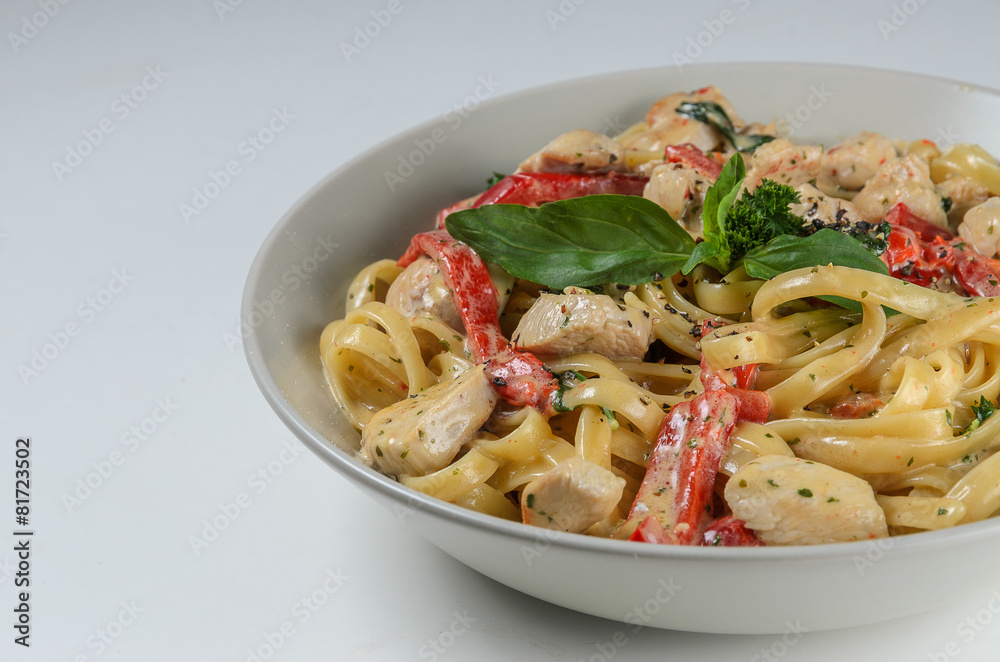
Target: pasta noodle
885, 381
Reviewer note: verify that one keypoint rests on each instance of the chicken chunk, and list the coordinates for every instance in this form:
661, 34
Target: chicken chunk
571, 496
579, 150
825, 211
680, 189
666, 127
422, 290
566, 324
423, 433
791, 501
845, 167
684, 130
964, 194
783, 162
665, 110
981, 227
906, 179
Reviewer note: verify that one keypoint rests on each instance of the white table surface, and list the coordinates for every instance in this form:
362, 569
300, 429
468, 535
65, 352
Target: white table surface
145, 424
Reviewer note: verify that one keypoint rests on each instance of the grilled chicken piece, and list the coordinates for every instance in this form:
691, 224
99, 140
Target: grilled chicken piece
680, 189
845, 167
981, 227
666, 127
422, 290
783, 162
566, 324
964, 194
664, 111
579, 150
906, 179
571, 496
819, 208
423, 433
790, 501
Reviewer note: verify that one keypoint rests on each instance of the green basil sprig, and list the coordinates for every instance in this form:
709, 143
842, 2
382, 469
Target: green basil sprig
581, 241
630, 240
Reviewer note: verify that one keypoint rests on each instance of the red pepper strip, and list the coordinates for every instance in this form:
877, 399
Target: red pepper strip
535, 188
979, 275
686, 457
475, 296
677, 488
921, 252
693, 157
520, 378
917, 261
730, 531
901, 216
650, 530
918, 251
755, 405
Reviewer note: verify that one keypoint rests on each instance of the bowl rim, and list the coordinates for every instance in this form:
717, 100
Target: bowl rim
355, 471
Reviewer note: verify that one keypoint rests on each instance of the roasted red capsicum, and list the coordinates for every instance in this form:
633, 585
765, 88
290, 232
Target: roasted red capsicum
535, 188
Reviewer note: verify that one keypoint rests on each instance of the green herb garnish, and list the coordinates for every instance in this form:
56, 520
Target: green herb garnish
712, 114
982, 411
495, 179
629, 240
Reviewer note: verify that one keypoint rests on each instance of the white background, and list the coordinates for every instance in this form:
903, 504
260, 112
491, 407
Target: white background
152, 301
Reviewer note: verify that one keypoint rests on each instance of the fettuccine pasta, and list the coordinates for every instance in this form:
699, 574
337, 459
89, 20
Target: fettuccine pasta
822, 403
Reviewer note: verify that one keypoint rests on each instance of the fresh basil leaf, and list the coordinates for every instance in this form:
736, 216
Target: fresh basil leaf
495, 179
826, 246
823, 247
720, 195
581, 241
704, 251
718, 199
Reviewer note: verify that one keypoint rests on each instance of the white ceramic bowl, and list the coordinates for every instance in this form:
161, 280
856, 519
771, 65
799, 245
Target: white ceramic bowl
370, 208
